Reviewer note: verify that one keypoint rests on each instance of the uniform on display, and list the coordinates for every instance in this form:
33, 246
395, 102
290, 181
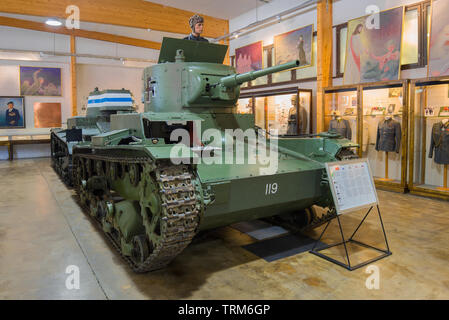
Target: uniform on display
429, 143
389, 136
341, 126
439, 144
294, 121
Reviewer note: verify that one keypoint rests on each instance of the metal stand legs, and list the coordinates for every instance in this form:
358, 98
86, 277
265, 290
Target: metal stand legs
384, 253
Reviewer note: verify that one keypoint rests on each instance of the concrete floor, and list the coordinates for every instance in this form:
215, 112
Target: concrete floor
42, 231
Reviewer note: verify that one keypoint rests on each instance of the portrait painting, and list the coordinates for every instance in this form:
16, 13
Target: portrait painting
12, 112
439, 40
47, 115
373, 52
249, 58
40, 81
294, 45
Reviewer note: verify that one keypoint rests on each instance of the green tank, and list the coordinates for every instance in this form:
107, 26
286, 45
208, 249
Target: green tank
100, 106
189, 163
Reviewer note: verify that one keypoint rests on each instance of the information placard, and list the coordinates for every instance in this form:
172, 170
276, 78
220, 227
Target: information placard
352, 185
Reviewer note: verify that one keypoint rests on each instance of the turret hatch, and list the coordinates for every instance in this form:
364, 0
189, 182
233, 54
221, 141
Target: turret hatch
194, 51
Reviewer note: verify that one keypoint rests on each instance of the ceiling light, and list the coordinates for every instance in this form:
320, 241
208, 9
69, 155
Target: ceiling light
53, 22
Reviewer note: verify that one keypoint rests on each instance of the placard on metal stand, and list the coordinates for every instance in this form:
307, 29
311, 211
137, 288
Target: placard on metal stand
353, 188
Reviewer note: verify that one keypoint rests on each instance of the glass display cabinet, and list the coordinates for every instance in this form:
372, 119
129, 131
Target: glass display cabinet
341, 111
384, 132
285, 112
429, 138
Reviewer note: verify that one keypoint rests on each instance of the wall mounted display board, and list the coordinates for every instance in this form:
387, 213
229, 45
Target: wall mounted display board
249, 58
12, 112
40, 81
438, 48
47, 115
294, 45
373, 53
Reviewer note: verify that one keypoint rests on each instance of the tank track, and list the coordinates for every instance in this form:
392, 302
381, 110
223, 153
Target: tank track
59, 151
181, 205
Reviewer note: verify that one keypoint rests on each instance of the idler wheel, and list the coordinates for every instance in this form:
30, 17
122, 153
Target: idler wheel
134, 174
140, 249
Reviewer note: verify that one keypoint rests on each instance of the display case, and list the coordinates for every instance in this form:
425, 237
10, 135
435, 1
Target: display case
285, 112
384, 132
341, 111
370, 115
429, 138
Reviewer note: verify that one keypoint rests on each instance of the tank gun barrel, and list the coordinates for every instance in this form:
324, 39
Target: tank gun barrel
237, 79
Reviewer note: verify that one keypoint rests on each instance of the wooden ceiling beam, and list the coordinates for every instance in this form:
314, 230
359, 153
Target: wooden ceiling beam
38, 26
130, 13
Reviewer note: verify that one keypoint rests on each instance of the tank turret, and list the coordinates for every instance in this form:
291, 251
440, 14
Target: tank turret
192, 76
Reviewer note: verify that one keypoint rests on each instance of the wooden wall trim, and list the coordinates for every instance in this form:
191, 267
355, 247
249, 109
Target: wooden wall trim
38, 26
130, 13
73, 75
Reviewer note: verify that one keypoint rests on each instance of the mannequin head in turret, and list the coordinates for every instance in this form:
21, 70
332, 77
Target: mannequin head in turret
196, 23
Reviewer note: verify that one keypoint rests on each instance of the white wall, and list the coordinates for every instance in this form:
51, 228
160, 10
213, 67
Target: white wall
102, 73
107, 77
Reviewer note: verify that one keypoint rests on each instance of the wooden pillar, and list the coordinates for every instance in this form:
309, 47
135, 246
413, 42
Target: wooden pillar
324, 56
227, 59
73, 75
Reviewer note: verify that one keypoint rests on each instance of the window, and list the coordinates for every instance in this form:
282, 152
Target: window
410, 37
342, 35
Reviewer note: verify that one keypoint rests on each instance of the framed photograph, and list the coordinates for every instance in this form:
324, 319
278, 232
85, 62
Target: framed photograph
391, 108
249, 58
374, 54
47, 115
12, 112
395, 92
295, 45
40, 81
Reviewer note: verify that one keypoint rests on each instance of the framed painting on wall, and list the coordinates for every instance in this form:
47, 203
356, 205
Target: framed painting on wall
374, 53
40, 81
12, 112
439, 39
295, 45
47, 115
249, 58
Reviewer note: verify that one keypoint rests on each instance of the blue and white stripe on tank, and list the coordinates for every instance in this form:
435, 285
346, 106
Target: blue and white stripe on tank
110, 100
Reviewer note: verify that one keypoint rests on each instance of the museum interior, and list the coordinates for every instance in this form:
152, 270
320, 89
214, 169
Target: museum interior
123, 135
